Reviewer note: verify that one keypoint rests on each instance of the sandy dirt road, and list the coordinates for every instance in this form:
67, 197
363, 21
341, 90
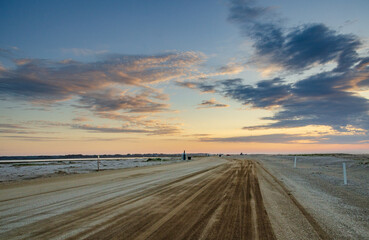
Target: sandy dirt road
211, 198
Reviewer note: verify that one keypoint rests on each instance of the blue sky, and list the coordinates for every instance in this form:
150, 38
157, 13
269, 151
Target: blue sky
130, 27
160, 76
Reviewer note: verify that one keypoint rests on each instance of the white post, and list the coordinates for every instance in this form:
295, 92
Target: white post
98, 162
294, 164
344, 173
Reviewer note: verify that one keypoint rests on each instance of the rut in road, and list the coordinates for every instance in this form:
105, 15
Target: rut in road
224, 204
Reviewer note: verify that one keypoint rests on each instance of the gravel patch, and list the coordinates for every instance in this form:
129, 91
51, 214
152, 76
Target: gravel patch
317, 182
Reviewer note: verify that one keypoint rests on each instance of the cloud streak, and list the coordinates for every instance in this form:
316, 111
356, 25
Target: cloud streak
40, 80
113, 100
292, 138
212, 103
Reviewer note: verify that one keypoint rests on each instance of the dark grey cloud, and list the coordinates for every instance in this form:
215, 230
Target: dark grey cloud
322, 99
295, 49
327, 98
267, 93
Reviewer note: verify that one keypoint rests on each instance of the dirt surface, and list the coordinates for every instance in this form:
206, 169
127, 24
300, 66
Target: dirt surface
317, 183
210, 198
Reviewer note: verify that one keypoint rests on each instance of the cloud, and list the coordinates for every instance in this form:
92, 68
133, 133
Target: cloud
296, 49
267, 93
292, 138
326, 98
81, 119
245, 12
121, 116
269, 138
321, 99
21, 128
202, 86
14, 128
113, 100
107, 129
83, 51
46, 81
212, 103
159, 129
33, 138
7, 53
117, 87
230, 69
131, 124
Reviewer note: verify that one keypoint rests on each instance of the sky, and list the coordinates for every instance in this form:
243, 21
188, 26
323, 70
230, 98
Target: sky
210, 76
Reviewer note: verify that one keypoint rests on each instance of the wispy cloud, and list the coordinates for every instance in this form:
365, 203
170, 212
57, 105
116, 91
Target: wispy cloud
45, 81
33, 138
117, 87
113, 100
292, 138
131, 124
107, 129
212, 103
81, 119
14, 128
202, 86
83, 51
230, 69
269, 138
160, 129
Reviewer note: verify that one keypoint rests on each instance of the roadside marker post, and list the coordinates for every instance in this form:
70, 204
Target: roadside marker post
344, 174
294, 164
98, 162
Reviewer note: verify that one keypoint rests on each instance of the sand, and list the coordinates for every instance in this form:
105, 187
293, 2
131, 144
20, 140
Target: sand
252, 197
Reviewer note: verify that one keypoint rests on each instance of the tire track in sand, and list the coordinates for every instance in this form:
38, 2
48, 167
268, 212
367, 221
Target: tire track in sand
226, 205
